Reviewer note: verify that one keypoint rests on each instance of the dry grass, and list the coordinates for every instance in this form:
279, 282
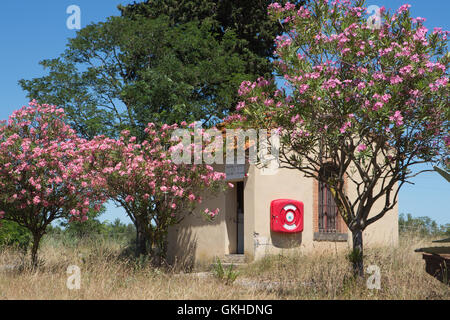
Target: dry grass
320, 276
106, 274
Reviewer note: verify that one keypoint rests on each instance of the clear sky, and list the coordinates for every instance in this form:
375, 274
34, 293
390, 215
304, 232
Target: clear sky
31, 31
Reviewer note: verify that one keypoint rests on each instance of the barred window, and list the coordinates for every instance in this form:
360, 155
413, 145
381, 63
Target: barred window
328, 211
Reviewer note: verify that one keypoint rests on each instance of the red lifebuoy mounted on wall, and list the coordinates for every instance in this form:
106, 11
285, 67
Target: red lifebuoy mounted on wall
286, 216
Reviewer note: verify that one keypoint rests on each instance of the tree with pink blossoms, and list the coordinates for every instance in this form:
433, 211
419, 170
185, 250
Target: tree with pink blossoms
155, 191
44, 175
363, 101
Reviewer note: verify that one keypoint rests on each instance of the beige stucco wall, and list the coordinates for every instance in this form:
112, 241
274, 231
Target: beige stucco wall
285, 184
197, 240
200, 241
383, 231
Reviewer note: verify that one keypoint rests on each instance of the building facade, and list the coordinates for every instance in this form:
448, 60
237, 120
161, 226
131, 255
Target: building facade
243, 226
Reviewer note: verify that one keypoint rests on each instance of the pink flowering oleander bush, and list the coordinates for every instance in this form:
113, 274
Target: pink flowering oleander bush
155, 191
362, 100
44, 173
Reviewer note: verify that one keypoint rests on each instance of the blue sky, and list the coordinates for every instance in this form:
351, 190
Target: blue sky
31, 31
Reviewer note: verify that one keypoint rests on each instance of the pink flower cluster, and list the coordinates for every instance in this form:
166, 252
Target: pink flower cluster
441, 82
283, 41
397, 118
447, 141
211, 214
346, 125
362, 147
403, 8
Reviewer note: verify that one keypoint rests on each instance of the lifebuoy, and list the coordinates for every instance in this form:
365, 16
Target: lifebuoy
291, 216
286, 216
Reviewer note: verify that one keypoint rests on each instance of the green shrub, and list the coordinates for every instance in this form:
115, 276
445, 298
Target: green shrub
12, 234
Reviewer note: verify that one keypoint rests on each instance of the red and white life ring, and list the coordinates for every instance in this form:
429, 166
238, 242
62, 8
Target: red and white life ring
290, 216
286, 216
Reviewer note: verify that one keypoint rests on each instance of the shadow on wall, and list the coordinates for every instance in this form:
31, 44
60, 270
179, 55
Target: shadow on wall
286, 240
183, 248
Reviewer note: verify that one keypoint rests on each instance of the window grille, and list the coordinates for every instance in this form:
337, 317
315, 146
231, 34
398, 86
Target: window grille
328, 211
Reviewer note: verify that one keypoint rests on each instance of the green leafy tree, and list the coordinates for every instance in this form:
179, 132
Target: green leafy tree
247, 19
124, 73
12, 234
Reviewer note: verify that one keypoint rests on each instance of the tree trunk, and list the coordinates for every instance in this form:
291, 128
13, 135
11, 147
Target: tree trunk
141, 239
34, 250
161, 244
357, 254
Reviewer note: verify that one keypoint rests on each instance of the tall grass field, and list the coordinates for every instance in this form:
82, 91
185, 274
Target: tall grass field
108, 272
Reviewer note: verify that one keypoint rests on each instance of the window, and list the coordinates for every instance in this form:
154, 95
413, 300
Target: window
328, 212
329, 225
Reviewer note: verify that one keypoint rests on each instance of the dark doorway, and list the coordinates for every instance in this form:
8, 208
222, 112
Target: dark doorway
240, 217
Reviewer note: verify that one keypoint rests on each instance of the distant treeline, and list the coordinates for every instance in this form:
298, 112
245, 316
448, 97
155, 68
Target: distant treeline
422, 225
12, 234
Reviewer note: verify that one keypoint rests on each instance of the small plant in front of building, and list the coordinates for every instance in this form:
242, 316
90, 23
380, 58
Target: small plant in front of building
228, 275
